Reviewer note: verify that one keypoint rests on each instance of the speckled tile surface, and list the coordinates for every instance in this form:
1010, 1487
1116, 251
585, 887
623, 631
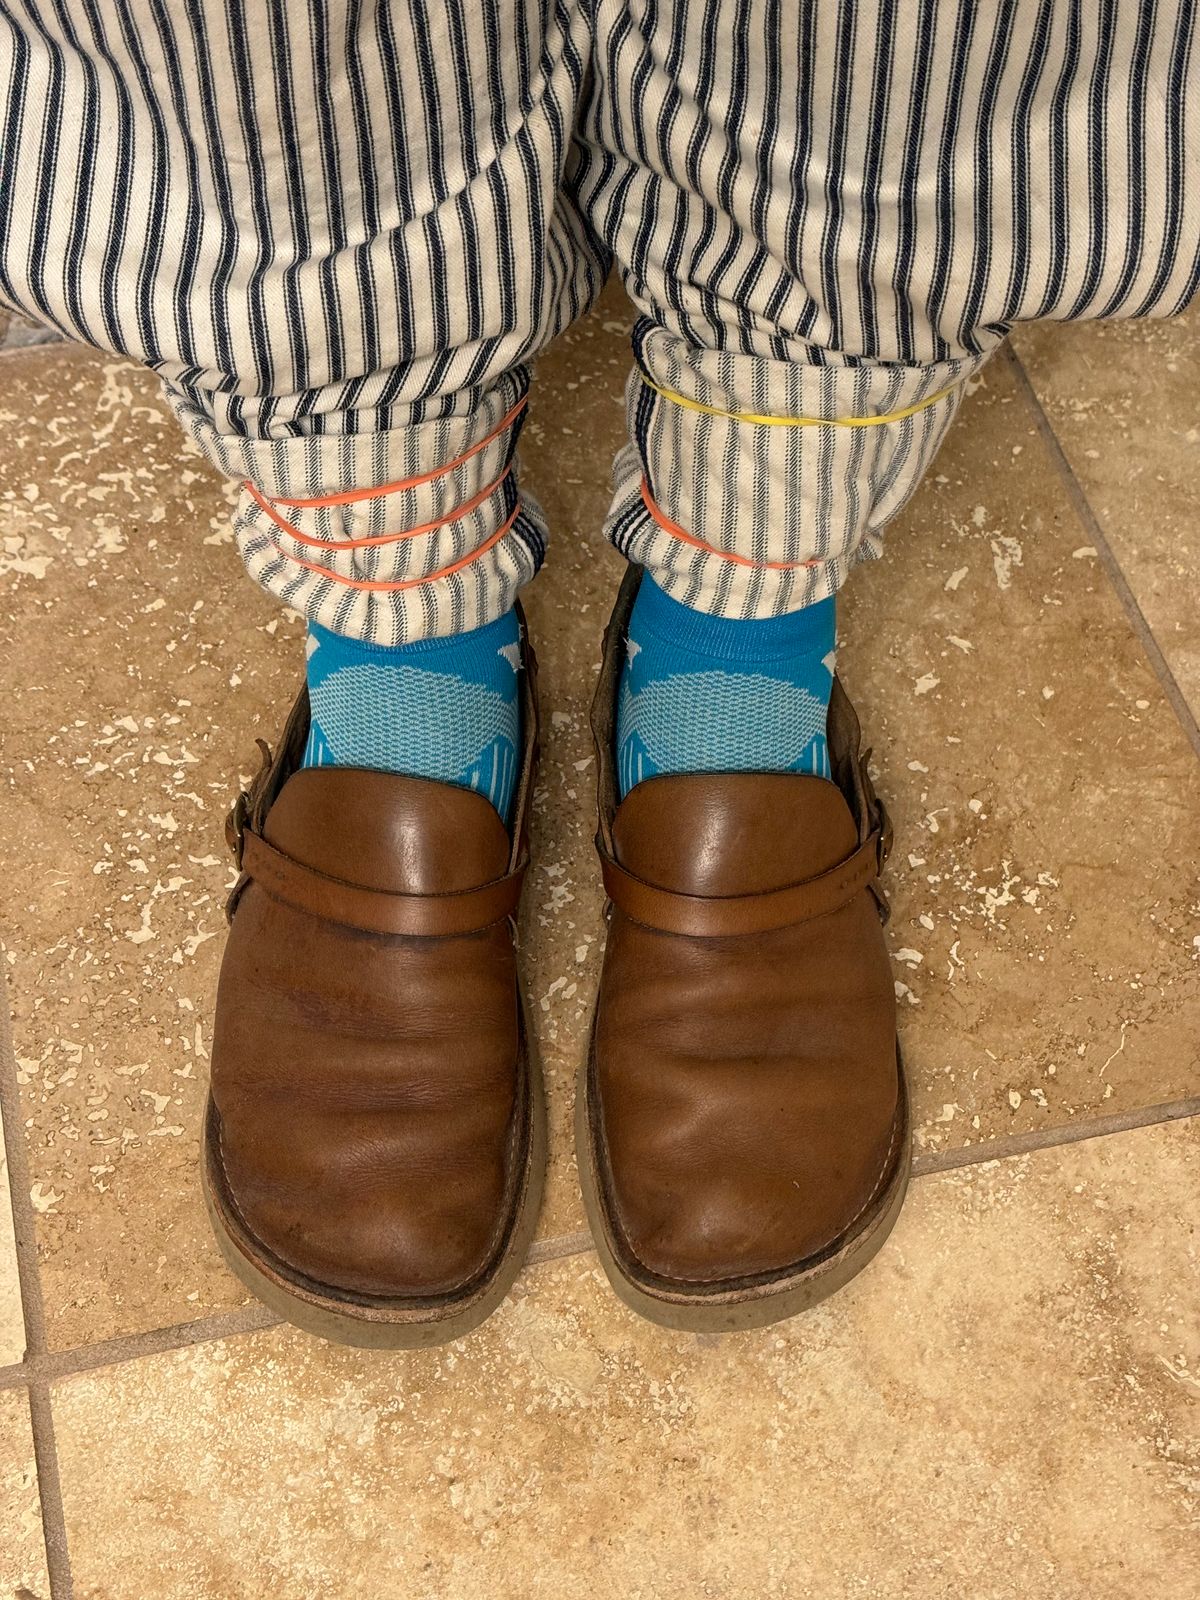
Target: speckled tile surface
136, 665
12, 1324
576, 427
1043, 795
1122, 398
1003, 1405
121, 746
22, 1554
12, 1321
1040, 786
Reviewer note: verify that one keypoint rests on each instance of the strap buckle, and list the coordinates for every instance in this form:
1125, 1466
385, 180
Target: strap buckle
877, 814
243, 807
235, 827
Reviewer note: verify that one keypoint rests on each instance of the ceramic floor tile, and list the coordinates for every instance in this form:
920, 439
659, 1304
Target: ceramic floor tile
1035, 770
577, 423
1046, 957
22, 1553
165, 662
12, 1322
1122, 400
1043, 796
1003, 1405
136, 665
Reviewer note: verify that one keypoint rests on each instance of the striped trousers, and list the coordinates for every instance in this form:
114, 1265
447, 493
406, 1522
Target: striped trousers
340, 231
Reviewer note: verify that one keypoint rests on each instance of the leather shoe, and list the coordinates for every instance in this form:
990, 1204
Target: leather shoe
375, 1135
742, 1119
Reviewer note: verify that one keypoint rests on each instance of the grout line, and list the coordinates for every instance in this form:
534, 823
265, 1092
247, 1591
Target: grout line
1020, 1144
157, 1341
54, 1528
17, 1376
40, 1371
56, 1364
54, 1524
1116, 575
562, 1245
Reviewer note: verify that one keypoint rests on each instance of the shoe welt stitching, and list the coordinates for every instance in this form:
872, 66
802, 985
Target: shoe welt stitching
229, 1189
716, 1284
493, 1243
883, 1176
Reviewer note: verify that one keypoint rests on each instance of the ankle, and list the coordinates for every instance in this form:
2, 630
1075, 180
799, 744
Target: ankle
714, 694
443, 708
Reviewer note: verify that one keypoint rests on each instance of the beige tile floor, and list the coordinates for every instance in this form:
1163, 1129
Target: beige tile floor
1005, 1404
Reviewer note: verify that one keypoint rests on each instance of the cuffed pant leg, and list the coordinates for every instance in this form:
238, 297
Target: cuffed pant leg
839, 210
360, 567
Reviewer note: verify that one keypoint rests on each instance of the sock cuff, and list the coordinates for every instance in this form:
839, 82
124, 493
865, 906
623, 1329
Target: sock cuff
809, 631
477, 642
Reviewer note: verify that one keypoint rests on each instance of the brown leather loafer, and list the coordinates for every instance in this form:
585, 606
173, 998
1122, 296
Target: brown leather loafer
742, 1119
375, 1139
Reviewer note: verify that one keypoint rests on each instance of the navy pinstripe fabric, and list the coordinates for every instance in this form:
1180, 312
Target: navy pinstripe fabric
341, 230
858, 231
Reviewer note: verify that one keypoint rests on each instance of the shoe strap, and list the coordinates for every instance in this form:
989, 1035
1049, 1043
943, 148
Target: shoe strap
380, 911
729, 916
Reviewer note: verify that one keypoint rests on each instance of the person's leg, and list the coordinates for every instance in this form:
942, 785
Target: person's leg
337, 234
839, 210
336, 231
839, 213
829, 215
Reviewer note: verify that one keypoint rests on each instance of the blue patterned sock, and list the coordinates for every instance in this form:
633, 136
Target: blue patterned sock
710, 694
439, 708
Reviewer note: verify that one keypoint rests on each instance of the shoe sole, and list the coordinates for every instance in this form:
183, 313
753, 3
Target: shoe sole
368, 1322
760, 1304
